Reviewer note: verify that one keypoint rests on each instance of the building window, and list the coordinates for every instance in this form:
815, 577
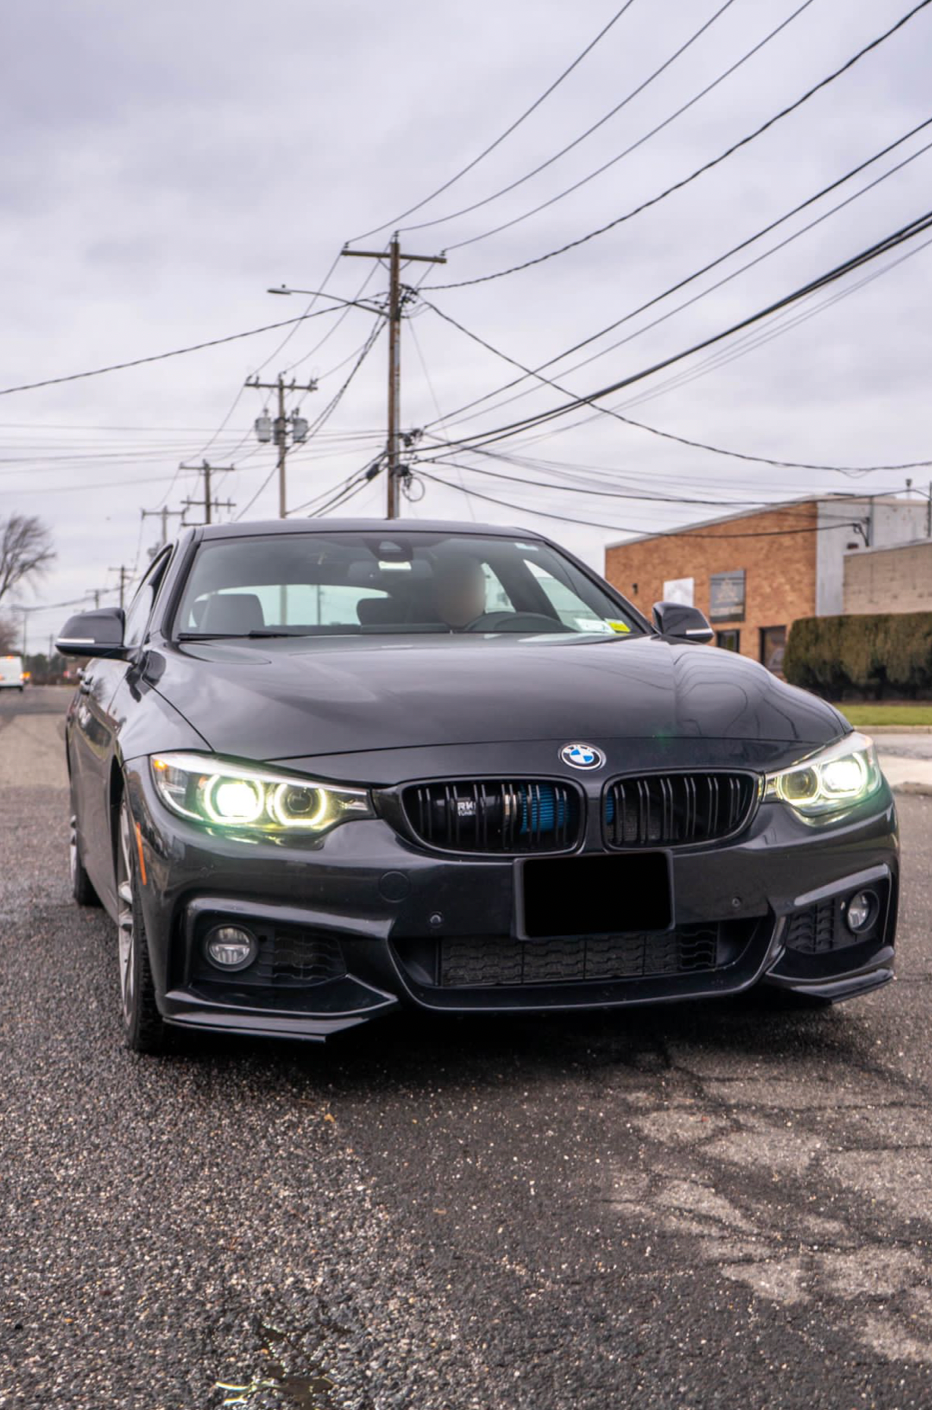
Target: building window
772, 647
729, 640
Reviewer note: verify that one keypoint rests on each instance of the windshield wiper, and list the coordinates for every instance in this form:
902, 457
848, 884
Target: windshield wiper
236, 636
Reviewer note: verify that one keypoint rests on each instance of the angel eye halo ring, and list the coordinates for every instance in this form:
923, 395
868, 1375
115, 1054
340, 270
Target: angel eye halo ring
245, 798
836, 778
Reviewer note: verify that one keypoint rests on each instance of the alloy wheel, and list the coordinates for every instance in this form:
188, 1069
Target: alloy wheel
126, 924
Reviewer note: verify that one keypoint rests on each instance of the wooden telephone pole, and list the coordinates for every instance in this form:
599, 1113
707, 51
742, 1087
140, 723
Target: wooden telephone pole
395, 304
277, 430
209, 503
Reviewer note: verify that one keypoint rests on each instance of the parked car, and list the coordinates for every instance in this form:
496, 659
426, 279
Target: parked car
12, 675
324, 770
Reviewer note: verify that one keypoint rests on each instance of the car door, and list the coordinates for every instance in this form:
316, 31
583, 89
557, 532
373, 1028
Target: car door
93, 738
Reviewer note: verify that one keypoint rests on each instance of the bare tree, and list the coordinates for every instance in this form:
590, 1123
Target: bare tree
25, 550
8, 636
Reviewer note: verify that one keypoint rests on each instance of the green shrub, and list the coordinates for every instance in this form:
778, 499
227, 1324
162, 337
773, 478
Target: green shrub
883, 653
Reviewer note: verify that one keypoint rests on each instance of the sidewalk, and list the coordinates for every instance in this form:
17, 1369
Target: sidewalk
906, 760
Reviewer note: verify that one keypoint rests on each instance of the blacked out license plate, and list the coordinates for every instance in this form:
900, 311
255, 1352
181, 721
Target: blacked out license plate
596, 895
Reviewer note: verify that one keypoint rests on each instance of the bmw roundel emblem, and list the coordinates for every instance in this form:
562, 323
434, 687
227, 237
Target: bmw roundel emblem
582, 756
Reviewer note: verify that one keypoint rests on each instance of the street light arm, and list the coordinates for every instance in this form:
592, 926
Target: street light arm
319, 294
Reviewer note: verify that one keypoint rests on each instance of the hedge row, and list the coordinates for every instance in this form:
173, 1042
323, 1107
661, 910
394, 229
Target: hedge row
883, 653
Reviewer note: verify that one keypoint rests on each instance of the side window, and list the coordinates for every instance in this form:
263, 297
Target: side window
496, 598
137, 615
572, 611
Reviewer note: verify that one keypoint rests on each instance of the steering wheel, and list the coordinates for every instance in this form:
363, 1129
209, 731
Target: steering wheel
515, 622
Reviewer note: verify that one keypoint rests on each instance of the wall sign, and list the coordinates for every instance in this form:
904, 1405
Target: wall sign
681, 590
726, 596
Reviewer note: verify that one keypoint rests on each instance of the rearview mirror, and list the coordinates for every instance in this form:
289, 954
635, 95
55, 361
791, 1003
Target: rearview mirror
681, 623
97, 633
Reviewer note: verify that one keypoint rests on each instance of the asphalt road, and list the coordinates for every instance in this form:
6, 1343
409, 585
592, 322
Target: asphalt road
727, 1205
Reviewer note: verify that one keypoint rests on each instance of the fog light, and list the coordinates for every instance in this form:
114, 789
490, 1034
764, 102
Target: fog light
231, 947
862, 911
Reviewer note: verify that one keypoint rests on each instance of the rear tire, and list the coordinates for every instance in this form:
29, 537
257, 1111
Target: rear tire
82, 887
143, 1025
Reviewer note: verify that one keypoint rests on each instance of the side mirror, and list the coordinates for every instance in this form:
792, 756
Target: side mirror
681, 623
98, 633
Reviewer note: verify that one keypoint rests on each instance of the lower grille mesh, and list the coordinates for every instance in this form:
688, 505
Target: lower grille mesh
485, 962
816, 929
298, 957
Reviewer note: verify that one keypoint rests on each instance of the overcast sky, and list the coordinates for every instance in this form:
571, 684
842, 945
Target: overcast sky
164, 165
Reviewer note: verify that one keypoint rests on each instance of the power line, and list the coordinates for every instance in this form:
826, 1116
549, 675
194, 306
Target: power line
627, 529
712, 264
288, 336
633, 147
645, 83
889, 242
649, 497
334, 326
160, 357
337, 397
433, 394
507, 133
686, 180
670, 435
781, 324
328, 499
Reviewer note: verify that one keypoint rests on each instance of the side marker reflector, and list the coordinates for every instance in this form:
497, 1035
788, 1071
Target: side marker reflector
142, 860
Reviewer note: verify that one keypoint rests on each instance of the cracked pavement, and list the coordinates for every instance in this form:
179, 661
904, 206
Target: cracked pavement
679, 1207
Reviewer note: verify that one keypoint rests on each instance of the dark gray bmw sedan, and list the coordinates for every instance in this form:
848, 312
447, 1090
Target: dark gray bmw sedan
321, 770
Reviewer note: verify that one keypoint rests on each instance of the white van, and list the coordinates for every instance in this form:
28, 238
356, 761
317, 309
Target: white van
11, 673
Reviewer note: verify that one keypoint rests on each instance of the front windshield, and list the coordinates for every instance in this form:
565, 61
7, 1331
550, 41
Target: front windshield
393, 582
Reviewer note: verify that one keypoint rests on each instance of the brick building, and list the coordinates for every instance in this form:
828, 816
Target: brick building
755, 572
894, 578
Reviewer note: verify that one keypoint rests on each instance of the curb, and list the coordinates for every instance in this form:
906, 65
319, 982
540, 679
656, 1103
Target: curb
916, 790
896, 729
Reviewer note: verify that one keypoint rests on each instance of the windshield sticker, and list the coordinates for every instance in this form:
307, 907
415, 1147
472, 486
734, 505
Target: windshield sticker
619, 626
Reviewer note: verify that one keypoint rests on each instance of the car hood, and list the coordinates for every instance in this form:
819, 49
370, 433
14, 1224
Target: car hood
294, 698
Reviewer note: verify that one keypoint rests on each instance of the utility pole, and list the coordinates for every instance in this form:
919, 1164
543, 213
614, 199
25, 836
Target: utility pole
162, 514
125, 576
277, 430
397, 297
209, 504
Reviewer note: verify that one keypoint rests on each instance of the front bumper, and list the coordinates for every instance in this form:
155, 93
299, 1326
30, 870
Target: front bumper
364, 921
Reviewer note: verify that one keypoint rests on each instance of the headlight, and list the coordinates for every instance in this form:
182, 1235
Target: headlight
210, 790
836, 778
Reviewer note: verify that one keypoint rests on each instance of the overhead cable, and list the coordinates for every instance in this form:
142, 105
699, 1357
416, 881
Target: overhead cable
694, 175
160, 357
390, 224
542, 166
706, 268
672, 436
907, 232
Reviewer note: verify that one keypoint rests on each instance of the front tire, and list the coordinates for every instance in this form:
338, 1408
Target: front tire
143, 1025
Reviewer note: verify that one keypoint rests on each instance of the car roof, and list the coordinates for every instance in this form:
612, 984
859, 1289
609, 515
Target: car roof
244, 527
